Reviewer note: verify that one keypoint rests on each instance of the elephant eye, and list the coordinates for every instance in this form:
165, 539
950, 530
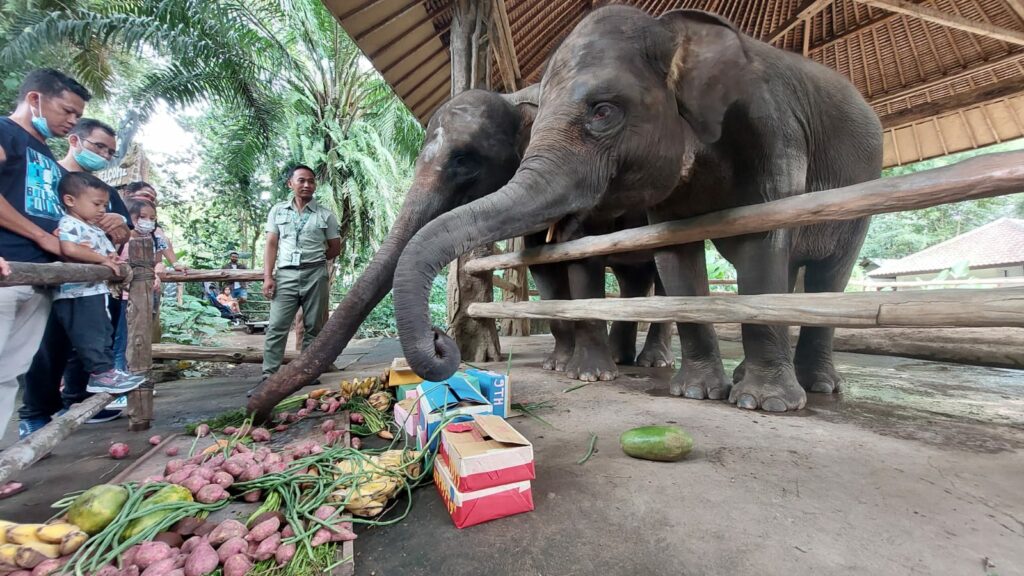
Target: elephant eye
601, 111
604, 117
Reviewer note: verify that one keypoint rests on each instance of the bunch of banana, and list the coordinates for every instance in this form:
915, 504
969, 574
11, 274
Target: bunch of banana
380, 400
360, 387
27, 545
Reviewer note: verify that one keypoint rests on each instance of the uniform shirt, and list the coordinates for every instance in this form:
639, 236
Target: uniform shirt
302, 236
72, 229
28, 181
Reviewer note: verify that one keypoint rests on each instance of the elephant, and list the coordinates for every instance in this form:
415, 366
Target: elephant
679, 115
473, 146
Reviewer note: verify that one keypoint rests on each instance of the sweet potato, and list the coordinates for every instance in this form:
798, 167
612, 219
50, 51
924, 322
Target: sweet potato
173, 466
356, 418
235, 466
263, 530
48, 567
152, 479
275, 468
268, 547
260, 435
179, 561
222, 479
187, 526
172, 539
190, 544
284, 554
195, 483
292, 418
342, 535
237, 565
108, 570
204, 472
203, 430
302, 413
324, 512
211, 493
172, 451
155, 440
261, 453
252, 496
150, 553
227, 530
322, 536
254, 471
159, 568
205, 529
215, 462
267, 516
201, 561
310, 404
280, 428
129, 555
176, 572
119, 450
181, 475
328, 425
231, 547
316, 449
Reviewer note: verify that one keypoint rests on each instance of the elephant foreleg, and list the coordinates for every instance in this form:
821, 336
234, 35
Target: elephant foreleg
769, 380
813, 359
657, 350
591, 357
552, 282
633, 282
684, 273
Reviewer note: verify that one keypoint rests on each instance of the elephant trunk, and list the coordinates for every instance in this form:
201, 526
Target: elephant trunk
368, 290
540, 194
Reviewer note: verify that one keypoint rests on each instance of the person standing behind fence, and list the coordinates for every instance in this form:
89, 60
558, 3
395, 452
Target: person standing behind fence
238, 289
49, 105
302, 237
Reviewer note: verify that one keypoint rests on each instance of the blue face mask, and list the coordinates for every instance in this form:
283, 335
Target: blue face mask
91, 161
39, 123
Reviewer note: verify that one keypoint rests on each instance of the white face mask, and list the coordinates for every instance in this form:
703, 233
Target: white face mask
145, 226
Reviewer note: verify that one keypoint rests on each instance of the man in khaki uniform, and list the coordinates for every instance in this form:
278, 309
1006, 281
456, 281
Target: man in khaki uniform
302, 239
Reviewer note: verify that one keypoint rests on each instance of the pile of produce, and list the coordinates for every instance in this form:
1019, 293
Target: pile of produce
38, 549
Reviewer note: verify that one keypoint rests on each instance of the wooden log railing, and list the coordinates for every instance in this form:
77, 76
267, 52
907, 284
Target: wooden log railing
979, 177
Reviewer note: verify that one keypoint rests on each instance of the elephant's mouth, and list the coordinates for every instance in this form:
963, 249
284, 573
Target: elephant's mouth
563, 229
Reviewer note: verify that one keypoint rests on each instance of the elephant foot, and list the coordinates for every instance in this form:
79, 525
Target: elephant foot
772, 389
700, 380
591, 364
739, 371
557, 360
622, 344
821, 378
655, 356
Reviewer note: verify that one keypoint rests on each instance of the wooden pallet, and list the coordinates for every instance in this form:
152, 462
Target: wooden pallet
152, 464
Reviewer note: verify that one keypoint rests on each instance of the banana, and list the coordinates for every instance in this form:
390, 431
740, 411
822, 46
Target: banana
72, 542
23, 533
34, 553
55, 533
9, 554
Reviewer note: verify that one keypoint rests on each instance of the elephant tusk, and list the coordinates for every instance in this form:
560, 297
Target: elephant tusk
551, 233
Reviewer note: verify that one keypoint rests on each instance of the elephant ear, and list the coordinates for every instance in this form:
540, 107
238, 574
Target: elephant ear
710, 69
525, 102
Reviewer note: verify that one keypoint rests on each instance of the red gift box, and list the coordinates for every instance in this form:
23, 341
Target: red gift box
485, 452
471, 508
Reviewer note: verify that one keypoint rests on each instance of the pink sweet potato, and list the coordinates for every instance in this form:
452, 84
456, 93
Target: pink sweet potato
254, 471
205, 472
187, 526
356, 418
202, 430
201, 561
322, 536
268, 547
129, 555
235, 466
211, 493
237, 565
287, 531
252, 496
342, 535
48, 567
328, 425
108, 570
176, 572
284, 554
223, 479
173, 466
275, 468
280, 428
316, 449
231, 430
234, 546
195, 483
191, 544
263, 530
227, 530
324, 512
215, 461
150, 553
119, 450
155, 440
159, 568
302, 413
292, 418
310, 404
260, 435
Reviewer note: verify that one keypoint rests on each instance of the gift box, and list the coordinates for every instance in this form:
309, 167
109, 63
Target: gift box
407, 415
456, 398
496, 388
471, 508
484, 453
400, 374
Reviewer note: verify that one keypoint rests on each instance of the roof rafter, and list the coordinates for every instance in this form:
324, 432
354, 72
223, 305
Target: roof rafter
806, 9
998, 90
949, 20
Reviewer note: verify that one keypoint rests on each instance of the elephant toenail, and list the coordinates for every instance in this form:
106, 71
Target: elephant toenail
694, 392
821, 387
747, 402
719, 393
774, 405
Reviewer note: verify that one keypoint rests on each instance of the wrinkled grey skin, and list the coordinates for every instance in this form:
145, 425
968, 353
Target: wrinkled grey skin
680, 115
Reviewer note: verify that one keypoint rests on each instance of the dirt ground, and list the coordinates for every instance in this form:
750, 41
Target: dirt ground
917, 469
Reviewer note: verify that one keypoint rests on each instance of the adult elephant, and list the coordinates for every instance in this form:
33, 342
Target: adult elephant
473, 146
680, 115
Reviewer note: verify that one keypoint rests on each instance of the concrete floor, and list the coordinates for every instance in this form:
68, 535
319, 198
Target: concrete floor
917, 469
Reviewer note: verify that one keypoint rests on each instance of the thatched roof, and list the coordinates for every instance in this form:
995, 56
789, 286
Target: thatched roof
944, 75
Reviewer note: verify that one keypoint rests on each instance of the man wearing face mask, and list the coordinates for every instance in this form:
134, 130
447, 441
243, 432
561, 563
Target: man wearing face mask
49, 105
91, 145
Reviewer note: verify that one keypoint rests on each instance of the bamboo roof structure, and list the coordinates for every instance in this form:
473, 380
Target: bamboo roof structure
944, 76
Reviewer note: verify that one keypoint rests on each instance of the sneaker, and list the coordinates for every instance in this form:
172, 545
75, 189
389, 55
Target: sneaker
114, 382
26, 427
111, 411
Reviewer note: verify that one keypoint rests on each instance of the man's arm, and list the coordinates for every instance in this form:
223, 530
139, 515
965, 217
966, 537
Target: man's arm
333, 248
11, 219
117, 223
269, 259
333, 237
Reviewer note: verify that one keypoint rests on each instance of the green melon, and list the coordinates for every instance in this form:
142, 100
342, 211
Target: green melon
97, 507
661, 443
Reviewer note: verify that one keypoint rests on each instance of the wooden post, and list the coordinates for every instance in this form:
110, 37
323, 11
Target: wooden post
477, 338
181, 293
140, 332
518, 291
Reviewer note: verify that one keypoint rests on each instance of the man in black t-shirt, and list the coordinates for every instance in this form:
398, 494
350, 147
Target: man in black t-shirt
49, 105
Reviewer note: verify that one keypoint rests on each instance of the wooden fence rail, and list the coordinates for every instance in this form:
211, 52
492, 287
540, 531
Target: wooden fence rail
979, 177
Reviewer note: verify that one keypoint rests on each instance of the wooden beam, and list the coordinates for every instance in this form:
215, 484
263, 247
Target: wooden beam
1018, 7
504, 47
806, 9
949, 20
214, 354
212, 275
979, 177
28, 274
949, 77
874, 22
504, 284
1002, 89
918, 309
31, 449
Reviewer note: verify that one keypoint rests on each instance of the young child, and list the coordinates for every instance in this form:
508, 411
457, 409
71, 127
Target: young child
143, 214
81, 308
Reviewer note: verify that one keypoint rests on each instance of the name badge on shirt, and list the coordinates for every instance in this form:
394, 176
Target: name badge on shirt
295, 259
